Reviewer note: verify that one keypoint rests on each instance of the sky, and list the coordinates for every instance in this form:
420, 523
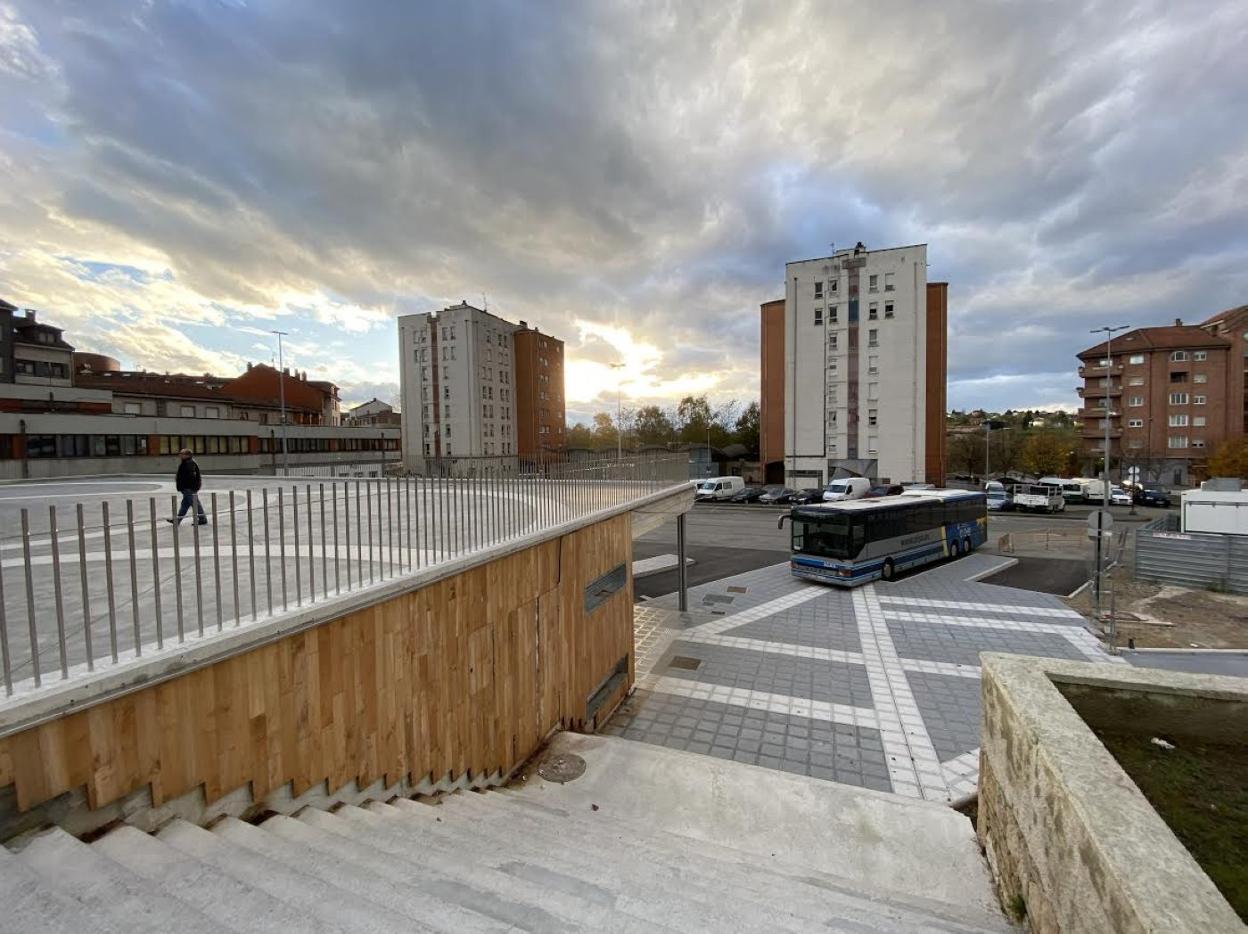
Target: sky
180, 178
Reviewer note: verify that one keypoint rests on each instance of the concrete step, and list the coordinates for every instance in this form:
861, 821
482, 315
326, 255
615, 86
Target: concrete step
107, 889
816, 898
327, 869
29, 904
671, 900
472, 879
213, 893
880, 841
440, 901
337, 907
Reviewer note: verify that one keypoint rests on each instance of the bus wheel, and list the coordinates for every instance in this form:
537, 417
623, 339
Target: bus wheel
887, 571
966, 546
953, 549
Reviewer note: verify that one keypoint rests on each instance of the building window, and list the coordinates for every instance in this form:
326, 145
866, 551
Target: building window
1178, 398
873, 444
873, 365
1176, 441
1178, 421
888, 309
1135, 443
1198, 442
832, 340
133, 408
873, 338
186, 411
832, 285
873, 283
818, 317
873, 311
1198, 400
212, 411
888, 282
873, 417
1178, 356
1200, 378
1136, 358
1199, 355
818, 290
1135, 401
873, 391
1135, 381
1135, 423
1198, 421
832, 317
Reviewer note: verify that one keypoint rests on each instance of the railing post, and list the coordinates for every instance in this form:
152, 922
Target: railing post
681, 572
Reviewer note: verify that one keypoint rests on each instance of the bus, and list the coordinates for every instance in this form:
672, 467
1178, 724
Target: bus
851, 543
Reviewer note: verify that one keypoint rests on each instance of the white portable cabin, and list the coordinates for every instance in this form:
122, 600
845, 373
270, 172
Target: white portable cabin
1215, 510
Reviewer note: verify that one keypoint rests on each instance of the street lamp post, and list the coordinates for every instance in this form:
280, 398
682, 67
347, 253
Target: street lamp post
281, 391
1108, 331
619, 416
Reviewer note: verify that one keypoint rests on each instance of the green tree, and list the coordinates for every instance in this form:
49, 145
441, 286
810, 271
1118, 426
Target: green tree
693, 419
605, 431
747, 427
653, 425
579, 436
1045, 453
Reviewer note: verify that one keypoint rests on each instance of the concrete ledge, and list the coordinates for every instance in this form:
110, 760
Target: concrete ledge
647, 567
1069, 837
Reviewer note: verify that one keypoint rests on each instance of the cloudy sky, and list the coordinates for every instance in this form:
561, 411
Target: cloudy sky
178, 178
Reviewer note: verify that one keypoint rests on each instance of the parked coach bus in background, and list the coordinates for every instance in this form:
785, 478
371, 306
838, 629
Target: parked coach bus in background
850, 543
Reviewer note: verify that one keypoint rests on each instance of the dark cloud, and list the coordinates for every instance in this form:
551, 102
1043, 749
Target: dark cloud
642, 165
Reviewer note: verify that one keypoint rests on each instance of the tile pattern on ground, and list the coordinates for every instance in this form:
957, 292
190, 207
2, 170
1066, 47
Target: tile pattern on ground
833, 751
950, 709
889, 669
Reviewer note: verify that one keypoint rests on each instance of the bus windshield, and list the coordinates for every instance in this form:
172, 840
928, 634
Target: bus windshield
824, 537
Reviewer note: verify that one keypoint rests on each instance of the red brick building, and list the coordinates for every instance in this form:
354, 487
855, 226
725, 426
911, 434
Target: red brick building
540, 405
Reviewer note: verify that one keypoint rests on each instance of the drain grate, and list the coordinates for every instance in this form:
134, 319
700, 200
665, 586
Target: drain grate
712, 598
562, 768
736, 589
685, 663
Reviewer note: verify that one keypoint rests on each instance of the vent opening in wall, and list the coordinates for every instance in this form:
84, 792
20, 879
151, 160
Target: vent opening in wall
601, 588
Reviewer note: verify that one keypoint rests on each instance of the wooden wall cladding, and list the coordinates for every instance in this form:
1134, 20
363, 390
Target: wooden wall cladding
467, 674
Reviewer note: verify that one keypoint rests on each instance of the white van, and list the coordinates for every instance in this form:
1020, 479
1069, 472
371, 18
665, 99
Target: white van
719, 488
846, 488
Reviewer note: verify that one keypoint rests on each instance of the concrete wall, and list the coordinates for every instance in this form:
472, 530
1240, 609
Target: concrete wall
1071, 841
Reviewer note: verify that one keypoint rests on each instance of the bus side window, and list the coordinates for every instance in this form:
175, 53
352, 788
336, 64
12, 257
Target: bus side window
858, 537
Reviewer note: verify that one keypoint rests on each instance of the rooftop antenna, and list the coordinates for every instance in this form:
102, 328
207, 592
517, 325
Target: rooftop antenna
485, 305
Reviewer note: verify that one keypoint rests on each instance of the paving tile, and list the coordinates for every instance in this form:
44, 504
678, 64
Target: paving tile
940, 642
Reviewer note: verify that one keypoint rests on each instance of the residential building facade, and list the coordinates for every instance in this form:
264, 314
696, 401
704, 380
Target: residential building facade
771, 391
864, 350
540, 411
31, 353
372, 414
1167, 395
457, 385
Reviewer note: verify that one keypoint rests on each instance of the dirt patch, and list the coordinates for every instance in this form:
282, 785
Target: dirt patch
1201, 792
1166, 617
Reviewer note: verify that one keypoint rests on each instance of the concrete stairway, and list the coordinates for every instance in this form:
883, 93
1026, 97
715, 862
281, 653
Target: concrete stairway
538, 857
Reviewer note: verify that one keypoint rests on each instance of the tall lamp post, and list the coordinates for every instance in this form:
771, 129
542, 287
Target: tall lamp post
1108, 331
281, 392
619, 416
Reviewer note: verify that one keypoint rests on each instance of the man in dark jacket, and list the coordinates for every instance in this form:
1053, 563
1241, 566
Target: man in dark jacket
188, 482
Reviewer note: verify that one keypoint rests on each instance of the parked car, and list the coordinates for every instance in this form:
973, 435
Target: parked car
999, 498
1152, 496
803, 497
748, 495
890, 489
775, 495
714, 488
846, 488
1119, 497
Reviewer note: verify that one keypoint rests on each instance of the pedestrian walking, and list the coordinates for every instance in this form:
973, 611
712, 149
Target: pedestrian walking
188, 482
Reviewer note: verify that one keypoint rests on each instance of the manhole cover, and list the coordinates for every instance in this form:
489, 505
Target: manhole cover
712, 598
685, 662
562, 768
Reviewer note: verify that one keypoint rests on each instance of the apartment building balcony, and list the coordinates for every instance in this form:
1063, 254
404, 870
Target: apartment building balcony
1098, 392
1096, 411
1094, 432
1093, 369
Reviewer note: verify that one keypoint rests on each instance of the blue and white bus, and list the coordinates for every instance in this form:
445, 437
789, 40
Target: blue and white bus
851, 543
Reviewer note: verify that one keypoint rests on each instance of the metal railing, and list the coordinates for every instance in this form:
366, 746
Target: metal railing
86, 586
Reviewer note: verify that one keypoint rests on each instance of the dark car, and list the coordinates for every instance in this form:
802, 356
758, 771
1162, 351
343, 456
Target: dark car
1152, 496
892, 489
776, 495
803, 497
748, 495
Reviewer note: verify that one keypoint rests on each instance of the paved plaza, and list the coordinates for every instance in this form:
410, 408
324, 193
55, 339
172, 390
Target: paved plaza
876, 686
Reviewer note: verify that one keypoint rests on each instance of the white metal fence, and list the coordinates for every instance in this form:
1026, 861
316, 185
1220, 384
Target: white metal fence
95, 584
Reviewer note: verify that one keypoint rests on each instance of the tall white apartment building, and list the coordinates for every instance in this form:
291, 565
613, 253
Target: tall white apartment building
861, 395
457, 384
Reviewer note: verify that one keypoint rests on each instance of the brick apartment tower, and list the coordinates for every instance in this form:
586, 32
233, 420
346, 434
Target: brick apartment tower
838, 363
540, 414
771, 401
1175, 393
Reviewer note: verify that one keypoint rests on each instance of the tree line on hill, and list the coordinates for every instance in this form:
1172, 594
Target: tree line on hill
693, 420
